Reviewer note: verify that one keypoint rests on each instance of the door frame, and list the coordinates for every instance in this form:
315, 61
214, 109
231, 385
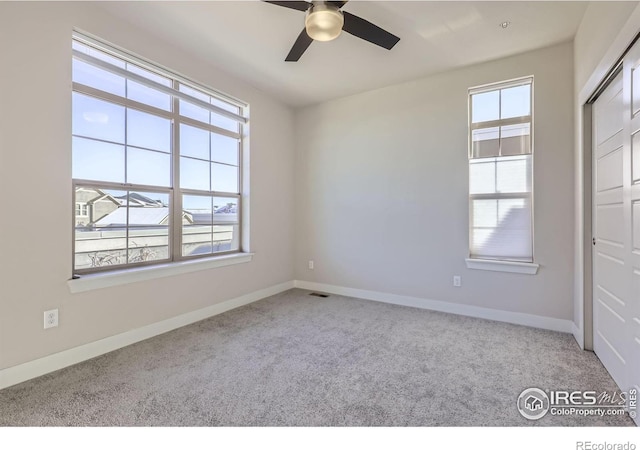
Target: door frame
587, 245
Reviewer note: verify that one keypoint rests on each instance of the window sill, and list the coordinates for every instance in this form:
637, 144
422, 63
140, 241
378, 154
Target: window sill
502, 266
126, 276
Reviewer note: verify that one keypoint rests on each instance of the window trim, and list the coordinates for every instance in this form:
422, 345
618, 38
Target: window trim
498, 265
174, 192
127, 275
502, 265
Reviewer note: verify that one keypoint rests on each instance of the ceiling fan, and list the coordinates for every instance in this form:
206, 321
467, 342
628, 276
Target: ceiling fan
325, 21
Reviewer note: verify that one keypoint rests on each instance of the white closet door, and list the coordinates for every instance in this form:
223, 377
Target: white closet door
610, 290
616, 225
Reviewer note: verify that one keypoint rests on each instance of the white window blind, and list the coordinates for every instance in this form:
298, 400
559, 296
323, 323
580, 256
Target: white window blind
501, 172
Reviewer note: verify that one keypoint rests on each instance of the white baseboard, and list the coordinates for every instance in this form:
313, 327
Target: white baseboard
578, 334
530, 320
23, 372
32, 369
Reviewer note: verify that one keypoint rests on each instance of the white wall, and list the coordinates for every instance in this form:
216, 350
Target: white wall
601, 23
382, 189
606, 30
35, 181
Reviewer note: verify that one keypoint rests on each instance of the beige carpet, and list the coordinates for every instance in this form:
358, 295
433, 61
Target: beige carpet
293, 360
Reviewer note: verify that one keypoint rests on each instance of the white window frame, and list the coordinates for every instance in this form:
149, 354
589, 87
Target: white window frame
502, 265
176, 262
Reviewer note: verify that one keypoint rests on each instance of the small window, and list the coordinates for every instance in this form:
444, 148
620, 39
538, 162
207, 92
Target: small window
82, 210
501, 171
156, 163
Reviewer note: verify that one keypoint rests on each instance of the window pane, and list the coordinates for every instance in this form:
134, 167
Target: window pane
485, 213
513, 175
197, 228
226, 236
194, 93
198, 204
148, 131
147, 95
221, 121
95, 77
515, 139
149, 243
224, 178
148, 167
194, 142
224, 105
515, 101
482, 177
510, 237
145, 216
95, 160
97, 119
486, 142
194, 174
96, 246
485, 106
210, 225
500, 175
224, 149
194, 112
98, 78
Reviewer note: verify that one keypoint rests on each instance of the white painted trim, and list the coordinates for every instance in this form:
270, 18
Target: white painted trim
578, 334
502, 266
530, 320
132, 275
23, 372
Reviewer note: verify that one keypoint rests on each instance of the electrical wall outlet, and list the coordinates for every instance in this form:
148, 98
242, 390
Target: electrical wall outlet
50, 318
310, 264
457, 281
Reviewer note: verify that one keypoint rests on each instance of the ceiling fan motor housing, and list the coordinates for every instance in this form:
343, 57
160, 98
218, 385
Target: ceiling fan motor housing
323, 22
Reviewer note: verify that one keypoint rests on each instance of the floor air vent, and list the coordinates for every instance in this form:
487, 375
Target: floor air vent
317, 294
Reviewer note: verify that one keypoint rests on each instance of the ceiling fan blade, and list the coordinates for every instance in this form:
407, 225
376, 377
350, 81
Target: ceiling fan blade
368, 31
338, 4
302, 43
300, 6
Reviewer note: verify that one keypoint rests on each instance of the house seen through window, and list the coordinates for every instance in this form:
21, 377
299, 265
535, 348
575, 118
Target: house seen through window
157, 163
501, 172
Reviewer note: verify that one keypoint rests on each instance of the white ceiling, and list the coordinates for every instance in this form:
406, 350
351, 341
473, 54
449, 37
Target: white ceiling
250, 39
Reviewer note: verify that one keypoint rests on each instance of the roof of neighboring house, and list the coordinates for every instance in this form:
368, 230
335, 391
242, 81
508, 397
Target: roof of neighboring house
199, 217
218, 217
100, 195
135, 199
229, 208
137, 216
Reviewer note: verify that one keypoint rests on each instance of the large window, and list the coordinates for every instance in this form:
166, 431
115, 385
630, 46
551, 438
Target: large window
501, 172
157, 163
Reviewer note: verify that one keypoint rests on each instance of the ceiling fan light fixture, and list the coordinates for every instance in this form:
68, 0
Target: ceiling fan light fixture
324, 22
